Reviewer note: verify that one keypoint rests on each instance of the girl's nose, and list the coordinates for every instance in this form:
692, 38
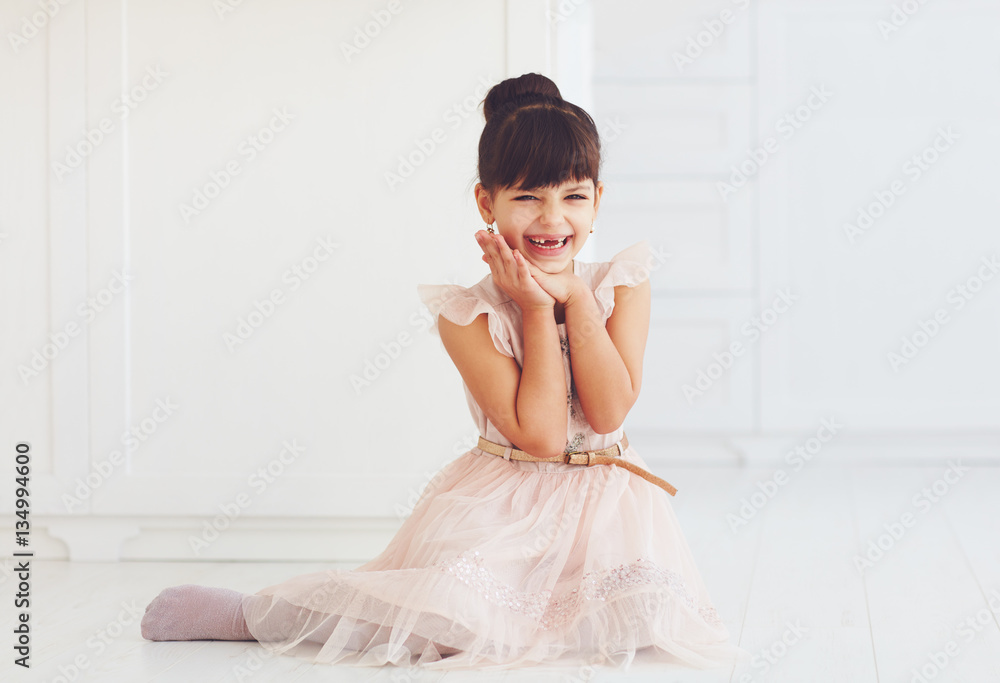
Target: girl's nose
551, 216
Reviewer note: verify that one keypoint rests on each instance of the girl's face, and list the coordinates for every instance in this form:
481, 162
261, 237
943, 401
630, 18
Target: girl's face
548, 225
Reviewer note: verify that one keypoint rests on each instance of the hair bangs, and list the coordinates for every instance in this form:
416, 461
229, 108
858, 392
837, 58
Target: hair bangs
545, 148
534, 139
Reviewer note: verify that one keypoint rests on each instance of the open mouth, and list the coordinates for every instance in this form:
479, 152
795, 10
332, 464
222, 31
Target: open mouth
548, 244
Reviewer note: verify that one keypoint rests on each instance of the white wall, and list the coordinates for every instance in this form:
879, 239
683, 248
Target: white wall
671, 136
697, 89
207, 82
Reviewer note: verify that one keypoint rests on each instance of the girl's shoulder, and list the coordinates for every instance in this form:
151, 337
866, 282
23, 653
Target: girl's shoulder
629, 267
461, 305
444, 297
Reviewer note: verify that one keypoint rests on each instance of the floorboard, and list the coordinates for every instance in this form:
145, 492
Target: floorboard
927, 603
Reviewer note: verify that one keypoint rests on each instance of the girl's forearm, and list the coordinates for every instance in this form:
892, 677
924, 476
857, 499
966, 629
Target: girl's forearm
602, 380
541, 395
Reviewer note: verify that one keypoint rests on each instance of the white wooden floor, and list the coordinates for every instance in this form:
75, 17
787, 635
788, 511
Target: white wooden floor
922, 606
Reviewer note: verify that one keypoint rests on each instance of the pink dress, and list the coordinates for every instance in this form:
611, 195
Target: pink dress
507, 563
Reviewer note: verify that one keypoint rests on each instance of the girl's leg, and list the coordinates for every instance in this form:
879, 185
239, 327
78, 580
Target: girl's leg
192, 612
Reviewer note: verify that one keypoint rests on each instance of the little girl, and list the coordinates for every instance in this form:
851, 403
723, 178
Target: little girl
550, 539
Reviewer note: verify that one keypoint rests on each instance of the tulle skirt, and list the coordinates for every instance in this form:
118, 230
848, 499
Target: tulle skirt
505, 564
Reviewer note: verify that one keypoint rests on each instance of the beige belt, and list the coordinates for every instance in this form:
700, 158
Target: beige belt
605, 456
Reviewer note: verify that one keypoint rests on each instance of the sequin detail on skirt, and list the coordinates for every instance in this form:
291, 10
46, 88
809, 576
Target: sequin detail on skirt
604, 585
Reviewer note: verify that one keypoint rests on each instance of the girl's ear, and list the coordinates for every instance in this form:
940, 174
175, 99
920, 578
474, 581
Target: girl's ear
484, 202
598, 192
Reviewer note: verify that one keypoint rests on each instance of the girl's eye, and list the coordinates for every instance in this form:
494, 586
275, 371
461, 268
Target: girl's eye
524, 196
578, 196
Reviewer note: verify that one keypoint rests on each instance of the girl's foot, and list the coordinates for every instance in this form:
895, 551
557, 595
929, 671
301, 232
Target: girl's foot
192, 612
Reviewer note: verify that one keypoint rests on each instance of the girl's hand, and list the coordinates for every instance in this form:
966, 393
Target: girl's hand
511, 273
560, 286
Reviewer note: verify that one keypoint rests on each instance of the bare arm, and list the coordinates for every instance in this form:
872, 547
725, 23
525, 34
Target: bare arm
607, 361
527, 405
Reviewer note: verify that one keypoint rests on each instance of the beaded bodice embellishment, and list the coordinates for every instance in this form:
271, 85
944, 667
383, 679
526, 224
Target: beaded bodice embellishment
578, 425
551, 612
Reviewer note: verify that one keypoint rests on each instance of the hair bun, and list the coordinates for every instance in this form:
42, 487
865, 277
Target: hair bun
525, 88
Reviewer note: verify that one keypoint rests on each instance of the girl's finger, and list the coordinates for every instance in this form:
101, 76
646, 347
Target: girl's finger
525, 269
523, 266
492, 254
534, 270
488, 245
486, 242
503, 249
501, 243
504, 256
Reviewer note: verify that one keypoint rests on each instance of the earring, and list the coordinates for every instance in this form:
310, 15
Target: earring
489, 229
592, 227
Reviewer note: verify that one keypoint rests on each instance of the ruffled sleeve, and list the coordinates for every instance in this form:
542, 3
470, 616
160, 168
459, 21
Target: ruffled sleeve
461, 306
628, 267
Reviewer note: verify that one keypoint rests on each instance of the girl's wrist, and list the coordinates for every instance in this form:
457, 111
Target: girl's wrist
577, 292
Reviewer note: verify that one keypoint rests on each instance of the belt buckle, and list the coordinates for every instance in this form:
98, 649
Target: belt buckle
569, 456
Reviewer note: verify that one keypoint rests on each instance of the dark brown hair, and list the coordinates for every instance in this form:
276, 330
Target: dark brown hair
534, 138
